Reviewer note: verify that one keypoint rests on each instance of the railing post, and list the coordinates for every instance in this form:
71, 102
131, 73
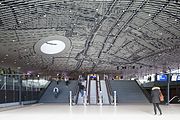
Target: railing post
5, 88
70, 96
114, 98
20, 89
85, 99
100, 98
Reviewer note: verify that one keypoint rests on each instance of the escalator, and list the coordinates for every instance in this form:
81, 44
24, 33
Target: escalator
96, 91
93, 92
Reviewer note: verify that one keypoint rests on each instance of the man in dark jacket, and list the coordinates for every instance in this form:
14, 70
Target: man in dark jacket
81, 89
155, 94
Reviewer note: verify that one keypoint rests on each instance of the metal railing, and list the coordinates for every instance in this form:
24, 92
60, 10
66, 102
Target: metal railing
174, 98
115, 98
13, 88
85, 98
3, 86
75, 94
100, 98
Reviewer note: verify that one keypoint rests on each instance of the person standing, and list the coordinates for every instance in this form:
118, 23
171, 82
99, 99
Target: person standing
155, 94
66, 81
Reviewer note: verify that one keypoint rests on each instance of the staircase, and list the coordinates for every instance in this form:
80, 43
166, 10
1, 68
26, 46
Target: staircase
63, 97
128, 91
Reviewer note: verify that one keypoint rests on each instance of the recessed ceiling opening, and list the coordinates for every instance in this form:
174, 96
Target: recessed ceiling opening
53, 47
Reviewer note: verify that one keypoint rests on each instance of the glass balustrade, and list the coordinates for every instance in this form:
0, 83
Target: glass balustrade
17, 88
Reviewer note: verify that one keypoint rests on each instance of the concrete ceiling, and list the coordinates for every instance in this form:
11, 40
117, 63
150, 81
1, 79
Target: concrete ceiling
107, 36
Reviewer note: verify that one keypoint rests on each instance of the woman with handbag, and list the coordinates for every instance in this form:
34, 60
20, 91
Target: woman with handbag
156, 94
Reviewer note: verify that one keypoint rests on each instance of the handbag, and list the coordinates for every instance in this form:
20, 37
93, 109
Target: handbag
161, 97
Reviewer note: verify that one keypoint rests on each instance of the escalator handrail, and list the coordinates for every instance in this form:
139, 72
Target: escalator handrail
89, 88
76, 94
97, 92
100, 89
109, 91
173, 98
99, 85
44, 90
148, 96
86, 88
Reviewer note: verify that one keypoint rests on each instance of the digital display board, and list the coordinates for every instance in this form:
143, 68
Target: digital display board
92, 76
163, 77
178, 78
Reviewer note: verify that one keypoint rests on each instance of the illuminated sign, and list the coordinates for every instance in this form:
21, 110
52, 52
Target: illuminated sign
178, 78
163, 77
92, 76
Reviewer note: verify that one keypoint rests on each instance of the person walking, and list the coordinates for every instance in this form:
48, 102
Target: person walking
56, 92
155, 94
81, 89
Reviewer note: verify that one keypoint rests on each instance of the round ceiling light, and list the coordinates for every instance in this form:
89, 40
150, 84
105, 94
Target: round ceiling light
53, 47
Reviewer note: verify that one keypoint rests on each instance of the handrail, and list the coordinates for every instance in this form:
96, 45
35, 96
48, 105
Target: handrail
86, 92
112, 93
109, 91
97, 92
174, 98
100, 93
86, 84
44, 90
143, 90
3, 86
89, 88
75, 94
99, 85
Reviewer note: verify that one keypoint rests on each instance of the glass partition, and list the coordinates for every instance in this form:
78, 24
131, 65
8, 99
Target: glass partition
19, 87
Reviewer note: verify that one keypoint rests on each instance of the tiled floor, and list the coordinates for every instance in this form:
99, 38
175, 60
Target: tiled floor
65, 112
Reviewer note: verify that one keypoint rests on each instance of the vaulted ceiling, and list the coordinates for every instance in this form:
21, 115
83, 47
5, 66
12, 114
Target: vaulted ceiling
126, 36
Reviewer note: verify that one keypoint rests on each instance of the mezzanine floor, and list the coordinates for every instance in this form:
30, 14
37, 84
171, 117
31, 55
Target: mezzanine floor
65, 112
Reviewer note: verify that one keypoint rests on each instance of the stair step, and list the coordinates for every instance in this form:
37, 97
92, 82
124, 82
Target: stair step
128, 91
48, 96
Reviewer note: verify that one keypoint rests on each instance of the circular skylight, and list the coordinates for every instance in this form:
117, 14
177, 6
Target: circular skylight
53, 47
